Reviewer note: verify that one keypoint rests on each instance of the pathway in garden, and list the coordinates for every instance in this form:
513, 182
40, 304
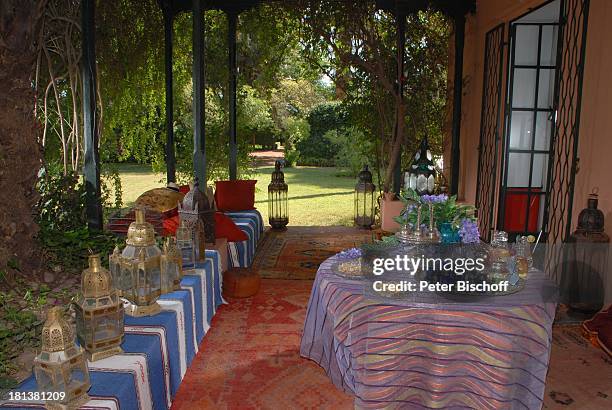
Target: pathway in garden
267, 158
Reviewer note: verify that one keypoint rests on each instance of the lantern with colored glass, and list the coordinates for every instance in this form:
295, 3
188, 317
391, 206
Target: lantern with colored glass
140, 261
421, 175
277, 199
171, 267
99, 313
185, 243
61, 366
364, 199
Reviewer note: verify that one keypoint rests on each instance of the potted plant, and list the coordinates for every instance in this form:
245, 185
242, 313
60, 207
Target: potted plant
456, 222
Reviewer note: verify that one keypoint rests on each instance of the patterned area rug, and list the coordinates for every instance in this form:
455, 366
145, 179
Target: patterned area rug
250, 357
297, 252
250, 360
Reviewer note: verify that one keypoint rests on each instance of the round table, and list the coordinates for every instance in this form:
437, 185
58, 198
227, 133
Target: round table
392, 353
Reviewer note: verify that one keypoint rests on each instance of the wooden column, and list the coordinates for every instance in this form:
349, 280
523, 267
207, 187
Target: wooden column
170, 156
199, 147
457, 94
91, 166
232, 18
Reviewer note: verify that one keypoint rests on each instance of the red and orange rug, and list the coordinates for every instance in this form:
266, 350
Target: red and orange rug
250, 357
297, 252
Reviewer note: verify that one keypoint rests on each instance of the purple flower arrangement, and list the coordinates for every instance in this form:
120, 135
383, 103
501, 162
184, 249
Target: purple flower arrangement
468, 231
434, 199
352, 253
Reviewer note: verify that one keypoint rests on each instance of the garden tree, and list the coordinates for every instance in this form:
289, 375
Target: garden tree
355, 45
294, 99
20, 154
58, 84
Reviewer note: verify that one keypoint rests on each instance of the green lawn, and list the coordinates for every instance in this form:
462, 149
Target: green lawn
317, 196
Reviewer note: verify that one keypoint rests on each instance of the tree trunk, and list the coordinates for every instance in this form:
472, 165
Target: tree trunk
396, 146
20, 152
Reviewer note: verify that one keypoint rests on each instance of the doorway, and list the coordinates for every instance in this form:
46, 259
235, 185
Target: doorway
530, 117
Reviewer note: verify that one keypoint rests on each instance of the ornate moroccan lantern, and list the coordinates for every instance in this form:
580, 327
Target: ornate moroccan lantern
185, 242
421, 175
99, 313
61, 367
364, 199
171, 267
194, 213
141, 262
588, 260
277, 199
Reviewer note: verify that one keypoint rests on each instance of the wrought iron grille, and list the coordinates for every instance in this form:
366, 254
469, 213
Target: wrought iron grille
489, 129
572, 38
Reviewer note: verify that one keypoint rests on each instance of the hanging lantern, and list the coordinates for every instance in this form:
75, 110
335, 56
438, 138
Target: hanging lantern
193, 213
364, 199
140, 261
99, 313
277, 199
171, 267
421, 175
185, 245
61, 367
588, 247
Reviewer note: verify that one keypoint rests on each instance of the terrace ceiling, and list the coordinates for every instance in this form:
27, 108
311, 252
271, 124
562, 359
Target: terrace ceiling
449, 7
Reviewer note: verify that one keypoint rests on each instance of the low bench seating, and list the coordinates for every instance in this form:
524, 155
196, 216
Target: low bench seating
157, 349
241, 254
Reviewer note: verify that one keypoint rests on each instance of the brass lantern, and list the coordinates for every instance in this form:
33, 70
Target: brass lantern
421, 175
171, 267
277, 199
141, 262
99, 313
61, 366
186, 245
364, 199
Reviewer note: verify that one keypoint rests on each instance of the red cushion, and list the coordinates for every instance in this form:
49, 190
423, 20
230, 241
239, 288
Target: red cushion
225, 227
235, 195
170, 225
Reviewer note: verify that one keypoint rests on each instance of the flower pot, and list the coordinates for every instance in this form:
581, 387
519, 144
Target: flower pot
448, 234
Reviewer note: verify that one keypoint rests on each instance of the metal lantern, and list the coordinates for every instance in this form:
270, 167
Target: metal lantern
277, 199
194, 213
171, 267
421, 175
588, 249
61, 366
140, 261
364, 199
185, 242
99, 313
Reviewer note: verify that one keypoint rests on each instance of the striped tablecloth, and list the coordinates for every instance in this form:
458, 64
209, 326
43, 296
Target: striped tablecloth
241, 254
157, 349
392, 354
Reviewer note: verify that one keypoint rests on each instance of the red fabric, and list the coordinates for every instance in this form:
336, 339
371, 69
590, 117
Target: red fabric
183, 189
170, 225
225, 227
235, 195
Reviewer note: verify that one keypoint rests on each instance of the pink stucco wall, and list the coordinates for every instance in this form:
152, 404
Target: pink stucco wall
595, 141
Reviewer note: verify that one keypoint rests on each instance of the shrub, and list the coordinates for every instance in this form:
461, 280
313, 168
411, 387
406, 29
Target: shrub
316, 149
62, 219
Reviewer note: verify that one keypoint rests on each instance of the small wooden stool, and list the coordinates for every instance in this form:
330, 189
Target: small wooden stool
240, 283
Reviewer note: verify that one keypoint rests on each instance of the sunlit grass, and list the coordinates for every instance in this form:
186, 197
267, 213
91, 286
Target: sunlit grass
317, 196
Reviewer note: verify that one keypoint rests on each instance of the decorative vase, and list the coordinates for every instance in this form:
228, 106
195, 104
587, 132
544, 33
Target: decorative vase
448, 234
